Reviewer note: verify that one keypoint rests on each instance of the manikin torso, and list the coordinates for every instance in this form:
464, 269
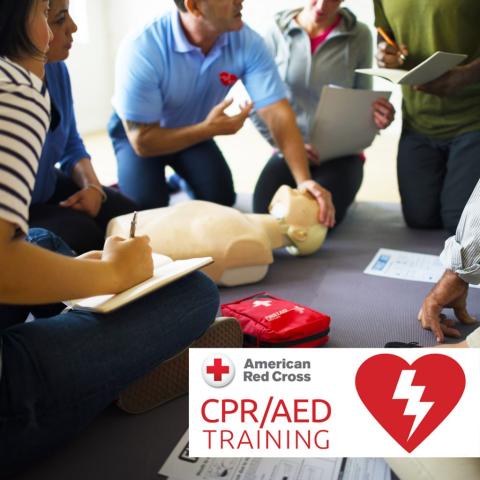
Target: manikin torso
240, 244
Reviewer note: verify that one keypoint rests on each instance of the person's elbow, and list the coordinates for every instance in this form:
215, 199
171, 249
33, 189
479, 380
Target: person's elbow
278, 115
139, 141
140, 137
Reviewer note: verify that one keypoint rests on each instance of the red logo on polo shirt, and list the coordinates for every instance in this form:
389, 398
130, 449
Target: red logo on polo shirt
228, 79
410, 401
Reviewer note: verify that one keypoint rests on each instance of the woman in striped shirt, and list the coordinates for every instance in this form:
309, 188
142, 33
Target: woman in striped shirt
58, 372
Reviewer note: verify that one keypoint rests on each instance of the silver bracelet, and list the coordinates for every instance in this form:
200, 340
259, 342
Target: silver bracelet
100, 190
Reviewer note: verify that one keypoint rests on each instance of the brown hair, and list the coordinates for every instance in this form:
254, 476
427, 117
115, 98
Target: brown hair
14, 39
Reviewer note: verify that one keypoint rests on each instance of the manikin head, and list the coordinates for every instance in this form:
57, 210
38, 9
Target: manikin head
298, 212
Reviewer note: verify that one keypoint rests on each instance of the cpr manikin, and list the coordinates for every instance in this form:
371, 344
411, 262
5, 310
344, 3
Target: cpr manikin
241, 244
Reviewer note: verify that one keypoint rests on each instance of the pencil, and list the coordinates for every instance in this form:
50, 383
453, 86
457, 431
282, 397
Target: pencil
133, 225
393, 44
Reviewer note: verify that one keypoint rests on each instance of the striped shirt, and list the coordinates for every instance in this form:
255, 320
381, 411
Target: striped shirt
462, 251
24, 120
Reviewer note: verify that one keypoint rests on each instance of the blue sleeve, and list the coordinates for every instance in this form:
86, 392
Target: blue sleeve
74, 148
261, 78
138, 96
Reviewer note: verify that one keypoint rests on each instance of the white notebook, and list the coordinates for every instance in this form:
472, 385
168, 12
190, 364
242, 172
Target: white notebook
430, 69
343, 123
165, 271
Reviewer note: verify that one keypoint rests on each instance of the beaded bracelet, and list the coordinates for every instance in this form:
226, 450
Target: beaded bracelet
100, 190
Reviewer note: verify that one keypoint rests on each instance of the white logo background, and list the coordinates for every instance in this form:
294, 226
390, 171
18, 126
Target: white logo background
218, 370
352, 430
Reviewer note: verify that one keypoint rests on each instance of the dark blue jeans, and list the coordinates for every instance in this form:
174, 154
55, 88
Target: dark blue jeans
202, 166
60, 372
342, 176
436, 178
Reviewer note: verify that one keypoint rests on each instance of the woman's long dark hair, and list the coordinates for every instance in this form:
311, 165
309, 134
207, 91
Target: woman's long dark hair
14, 39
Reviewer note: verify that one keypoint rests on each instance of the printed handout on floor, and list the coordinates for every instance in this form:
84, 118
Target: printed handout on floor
180, 465
418, 267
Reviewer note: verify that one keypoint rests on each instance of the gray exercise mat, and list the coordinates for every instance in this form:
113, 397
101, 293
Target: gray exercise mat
366, 311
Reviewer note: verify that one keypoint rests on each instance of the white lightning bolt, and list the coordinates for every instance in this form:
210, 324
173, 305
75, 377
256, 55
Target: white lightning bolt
405, 390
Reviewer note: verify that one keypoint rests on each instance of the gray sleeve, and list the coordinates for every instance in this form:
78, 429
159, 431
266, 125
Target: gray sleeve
462, 251
365, 58
269, 38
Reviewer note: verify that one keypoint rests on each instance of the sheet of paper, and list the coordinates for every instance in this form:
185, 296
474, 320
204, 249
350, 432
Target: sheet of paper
430, 69
179, 466
393, 75
343, 122
366, 468
165, 271
419, 267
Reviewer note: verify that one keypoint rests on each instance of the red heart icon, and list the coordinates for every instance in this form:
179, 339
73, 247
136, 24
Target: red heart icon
228, 79
410, 401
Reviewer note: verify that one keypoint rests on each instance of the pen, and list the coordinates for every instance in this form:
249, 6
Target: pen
385, 36
133, 225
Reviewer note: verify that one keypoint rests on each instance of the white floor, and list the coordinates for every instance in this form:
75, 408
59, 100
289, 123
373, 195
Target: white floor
246, 153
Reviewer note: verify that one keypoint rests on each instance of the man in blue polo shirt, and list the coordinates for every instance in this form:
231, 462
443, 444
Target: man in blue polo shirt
171, 82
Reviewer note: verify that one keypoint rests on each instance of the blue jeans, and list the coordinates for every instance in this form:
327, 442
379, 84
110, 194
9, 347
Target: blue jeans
143, 180
436, 178
60, 372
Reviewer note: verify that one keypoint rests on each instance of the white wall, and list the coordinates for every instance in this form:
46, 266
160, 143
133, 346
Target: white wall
90, 66
92, 63
122, 17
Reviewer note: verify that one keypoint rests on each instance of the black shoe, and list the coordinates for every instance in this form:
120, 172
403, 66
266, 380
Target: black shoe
402, 345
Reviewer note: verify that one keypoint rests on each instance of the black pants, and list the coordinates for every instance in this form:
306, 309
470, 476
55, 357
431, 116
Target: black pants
436, 178
80, 231
341, 176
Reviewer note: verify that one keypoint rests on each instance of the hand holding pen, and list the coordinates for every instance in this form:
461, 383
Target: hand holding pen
130, 259
390, 54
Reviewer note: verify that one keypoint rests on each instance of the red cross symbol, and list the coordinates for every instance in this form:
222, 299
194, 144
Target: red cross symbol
217, 369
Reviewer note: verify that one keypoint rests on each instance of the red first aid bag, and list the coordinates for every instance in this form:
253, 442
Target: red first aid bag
268, 321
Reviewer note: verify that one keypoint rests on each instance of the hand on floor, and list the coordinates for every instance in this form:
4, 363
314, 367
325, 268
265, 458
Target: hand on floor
450, 292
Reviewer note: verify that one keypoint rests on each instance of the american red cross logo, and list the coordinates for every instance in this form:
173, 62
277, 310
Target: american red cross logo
218, 369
